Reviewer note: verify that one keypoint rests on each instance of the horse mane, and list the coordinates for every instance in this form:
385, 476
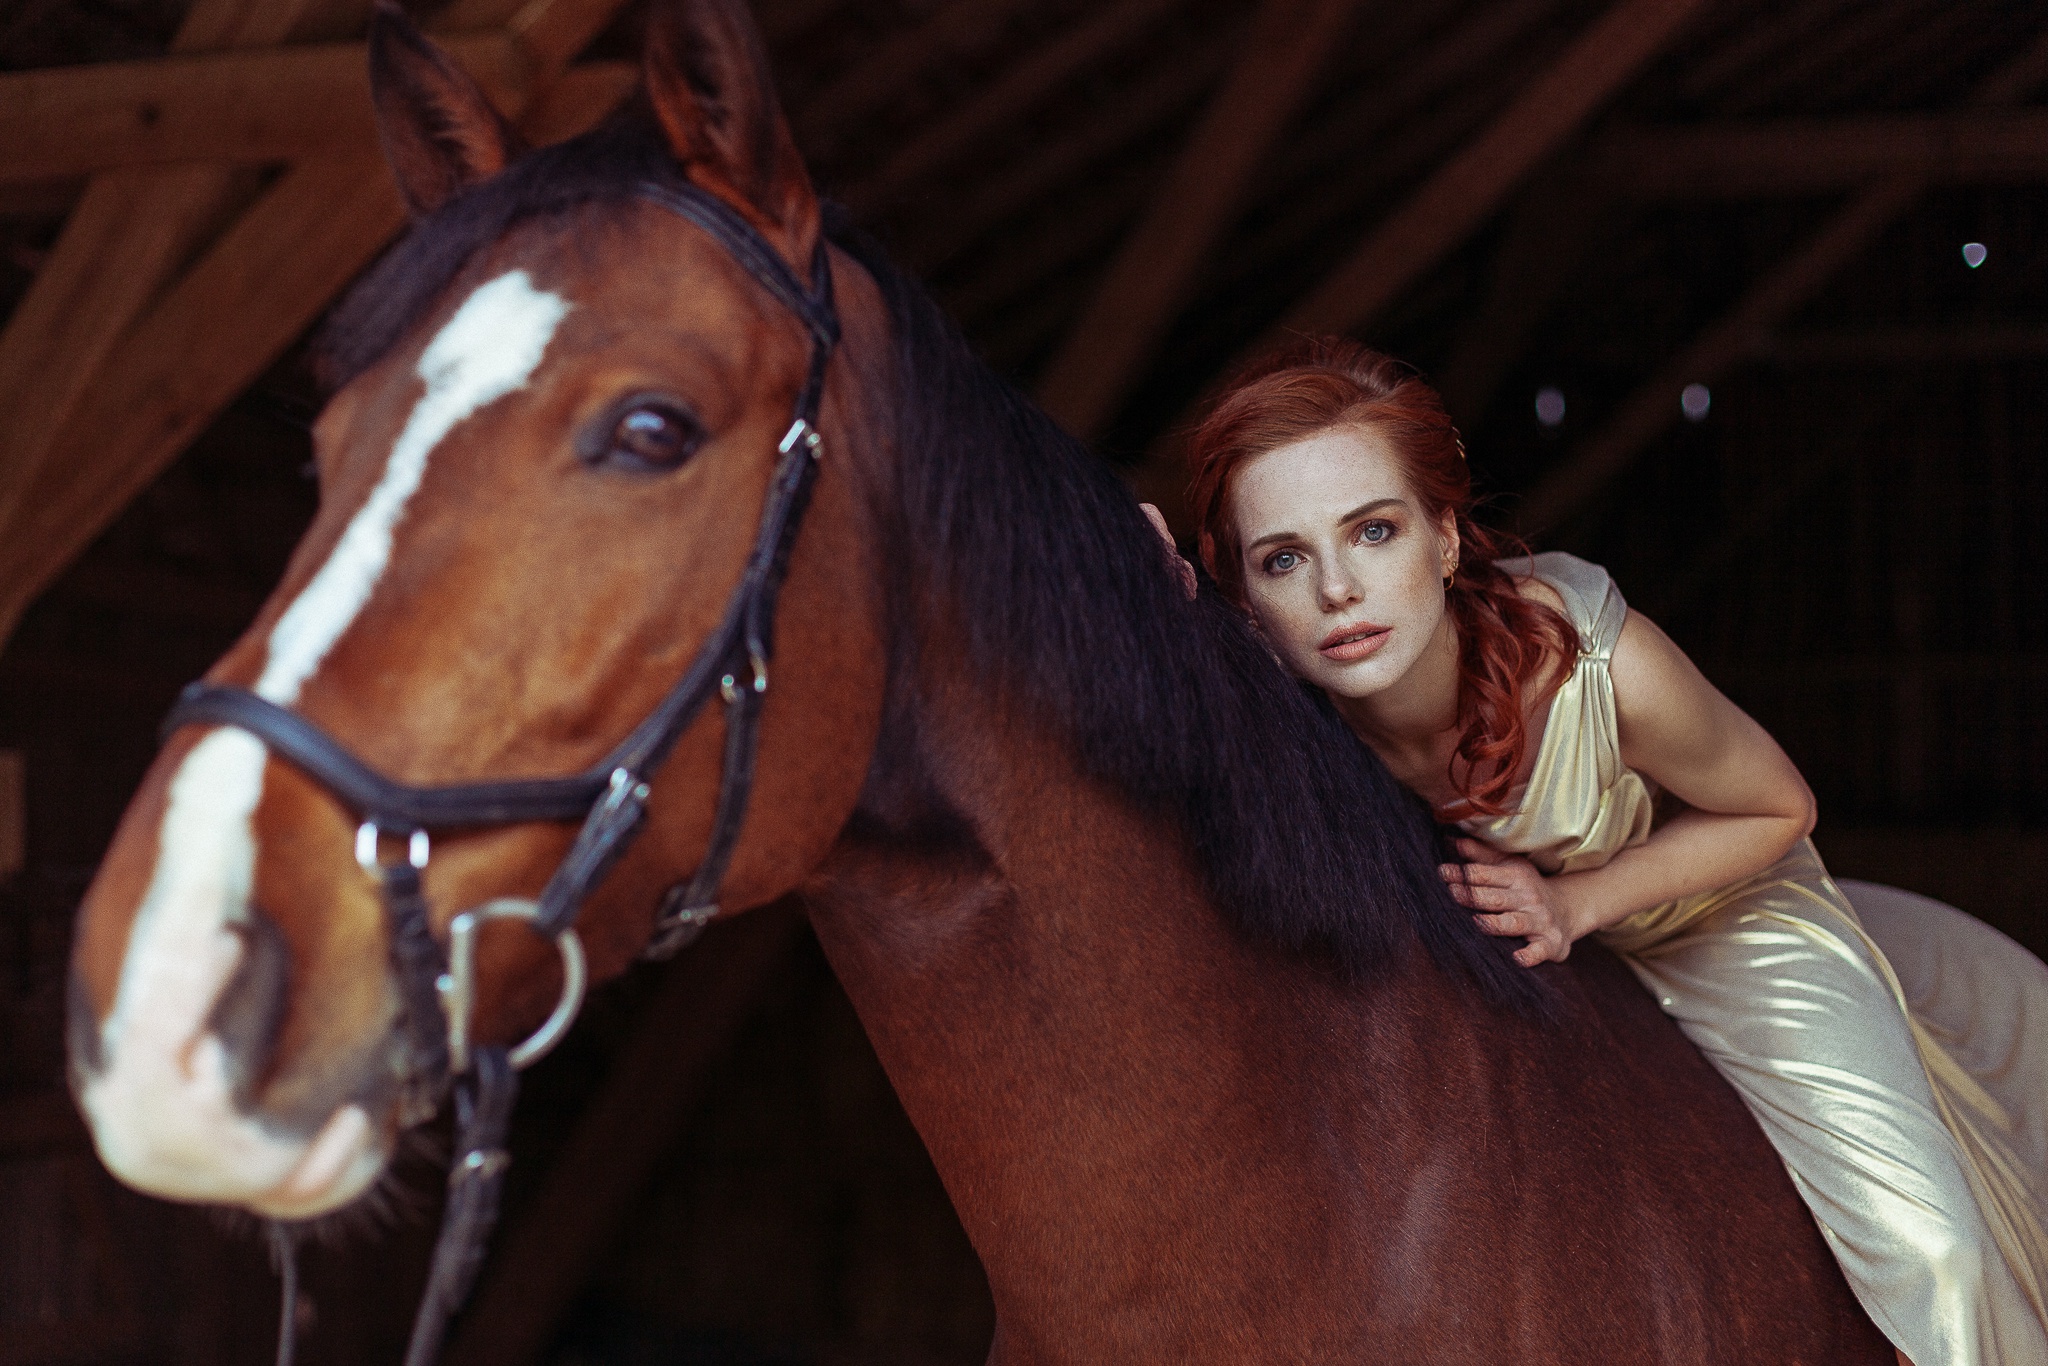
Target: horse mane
1067, 605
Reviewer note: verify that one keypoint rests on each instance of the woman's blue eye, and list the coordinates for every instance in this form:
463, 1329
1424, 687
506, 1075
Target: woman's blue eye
1373, 533
1282, 562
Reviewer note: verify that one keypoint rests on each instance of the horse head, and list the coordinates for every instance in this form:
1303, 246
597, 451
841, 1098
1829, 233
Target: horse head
560, 413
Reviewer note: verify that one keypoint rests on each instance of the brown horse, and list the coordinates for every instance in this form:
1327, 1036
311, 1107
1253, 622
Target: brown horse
1152, 948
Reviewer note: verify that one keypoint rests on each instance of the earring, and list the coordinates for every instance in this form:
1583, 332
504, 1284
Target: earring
1450, 574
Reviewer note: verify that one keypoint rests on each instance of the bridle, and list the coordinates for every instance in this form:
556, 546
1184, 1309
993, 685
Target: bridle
437, 989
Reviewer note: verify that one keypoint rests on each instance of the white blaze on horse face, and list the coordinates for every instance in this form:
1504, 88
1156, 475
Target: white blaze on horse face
162, 1108
489, 349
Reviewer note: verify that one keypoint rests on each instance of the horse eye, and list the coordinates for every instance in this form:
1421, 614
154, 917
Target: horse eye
652, 436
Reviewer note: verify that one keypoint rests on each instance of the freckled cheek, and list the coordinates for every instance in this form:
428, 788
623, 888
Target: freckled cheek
1292, 623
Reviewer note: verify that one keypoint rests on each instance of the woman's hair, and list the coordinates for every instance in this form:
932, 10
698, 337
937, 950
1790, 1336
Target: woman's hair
1506, 642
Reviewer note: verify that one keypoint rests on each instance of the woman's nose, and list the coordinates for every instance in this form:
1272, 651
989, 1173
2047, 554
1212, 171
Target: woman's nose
1339, 587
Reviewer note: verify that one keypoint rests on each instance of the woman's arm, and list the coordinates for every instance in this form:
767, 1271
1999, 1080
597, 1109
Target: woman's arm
1748, 807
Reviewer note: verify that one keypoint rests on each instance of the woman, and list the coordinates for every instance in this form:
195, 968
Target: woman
1541, 717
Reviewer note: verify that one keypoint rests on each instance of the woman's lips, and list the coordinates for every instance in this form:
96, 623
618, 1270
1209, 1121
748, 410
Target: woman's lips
1352, 643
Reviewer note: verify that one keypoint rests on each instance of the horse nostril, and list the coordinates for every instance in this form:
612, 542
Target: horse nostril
251, 1008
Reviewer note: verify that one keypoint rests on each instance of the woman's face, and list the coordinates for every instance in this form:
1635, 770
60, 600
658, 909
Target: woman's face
1342, 568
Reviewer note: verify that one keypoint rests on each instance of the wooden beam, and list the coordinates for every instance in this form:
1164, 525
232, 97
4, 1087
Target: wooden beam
1041, 176
1794, 478
1547, 237
1764, 38
1743, 330
130, 234
1016, 92
1149, 278
40, 198
1734, 337
1036, 262
234, 108
1909, 346
1807, 156
13, 813
261, 286
828, 115
1375, 106
1459, 197
1418, 121
160, 381
548, 1253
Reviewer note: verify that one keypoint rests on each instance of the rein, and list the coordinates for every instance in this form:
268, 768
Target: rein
437, 988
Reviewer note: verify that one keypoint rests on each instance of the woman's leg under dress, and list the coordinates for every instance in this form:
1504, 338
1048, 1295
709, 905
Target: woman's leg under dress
1982, 996
1775, 982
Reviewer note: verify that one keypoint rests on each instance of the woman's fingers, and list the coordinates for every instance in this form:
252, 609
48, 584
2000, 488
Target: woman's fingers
1184, 571
1478, 851
1490, 874
1158, 521
1507, 924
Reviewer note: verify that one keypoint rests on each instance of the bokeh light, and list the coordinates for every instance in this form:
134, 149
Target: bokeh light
1974, 254
1550, 405
1694, 402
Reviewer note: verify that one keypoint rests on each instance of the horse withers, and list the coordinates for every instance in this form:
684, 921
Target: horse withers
1153, 951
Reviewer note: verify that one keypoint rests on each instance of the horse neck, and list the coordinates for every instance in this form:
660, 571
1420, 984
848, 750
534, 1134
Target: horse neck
1110, 1081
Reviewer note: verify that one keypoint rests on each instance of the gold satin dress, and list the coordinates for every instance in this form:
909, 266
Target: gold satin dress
1894, 1050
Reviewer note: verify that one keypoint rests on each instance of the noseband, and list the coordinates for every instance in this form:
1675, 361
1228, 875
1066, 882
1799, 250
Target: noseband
437, 989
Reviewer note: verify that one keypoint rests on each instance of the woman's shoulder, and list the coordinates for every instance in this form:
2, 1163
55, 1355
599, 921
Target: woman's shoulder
1580, 590
1534, 589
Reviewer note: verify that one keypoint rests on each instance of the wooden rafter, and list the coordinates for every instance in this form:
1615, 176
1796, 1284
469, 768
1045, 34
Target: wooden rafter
1048, 172
1910, 346
162, 362
549, 1251
1743, 331
1373, 107
1548, 236
1802, 156
1732, 338
129, 235
1467, 188
1415, 121
234, 108
1149, 278
826, 117
1017, 92
1464, 193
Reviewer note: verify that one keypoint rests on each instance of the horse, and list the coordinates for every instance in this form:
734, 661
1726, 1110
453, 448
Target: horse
1153, 951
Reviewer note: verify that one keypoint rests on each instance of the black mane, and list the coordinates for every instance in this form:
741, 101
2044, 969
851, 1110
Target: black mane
1069, 608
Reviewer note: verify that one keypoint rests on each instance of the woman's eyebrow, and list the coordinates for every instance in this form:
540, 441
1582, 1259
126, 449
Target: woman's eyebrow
1362, 510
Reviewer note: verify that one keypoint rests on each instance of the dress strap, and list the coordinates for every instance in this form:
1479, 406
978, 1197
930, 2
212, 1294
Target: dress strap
1592, 603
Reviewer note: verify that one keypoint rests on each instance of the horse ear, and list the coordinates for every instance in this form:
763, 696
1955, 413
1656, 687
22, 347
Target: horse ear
708, 80
439, 132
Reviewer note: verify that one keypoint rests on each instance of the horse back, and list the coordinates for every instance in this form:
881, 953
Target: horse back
1637, 1212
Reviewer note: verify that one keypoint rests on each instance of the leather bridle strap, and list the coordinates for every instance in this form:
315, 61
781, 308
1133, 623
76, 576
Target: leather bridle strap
610, 798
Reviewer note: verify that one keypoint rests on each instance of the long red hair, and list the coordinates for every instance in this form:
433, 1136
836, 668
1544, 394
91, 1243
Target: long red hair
1507, 644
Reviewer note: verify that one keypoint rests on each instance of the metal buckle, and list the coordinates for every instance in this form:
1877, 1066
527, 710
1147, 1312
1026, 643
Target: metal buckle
458, 985
729, 685
676, 926
370, 837
801, 430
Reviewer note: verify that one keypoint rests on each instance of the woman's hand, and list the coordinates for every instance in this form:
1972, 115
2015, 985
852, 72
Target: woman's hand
1181, 567
1514, 899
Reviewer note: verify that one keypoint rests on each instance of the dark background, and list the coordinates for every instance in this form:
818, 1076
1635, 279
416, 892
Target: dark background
1850, 543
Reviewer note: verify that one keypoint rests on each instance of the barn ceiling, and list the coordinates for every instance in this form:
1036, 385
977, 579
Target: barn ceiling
1607, 200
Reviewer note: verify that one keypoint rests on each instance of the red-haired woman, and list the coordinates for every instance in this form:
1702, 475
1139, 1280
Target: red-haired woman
1539, 715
